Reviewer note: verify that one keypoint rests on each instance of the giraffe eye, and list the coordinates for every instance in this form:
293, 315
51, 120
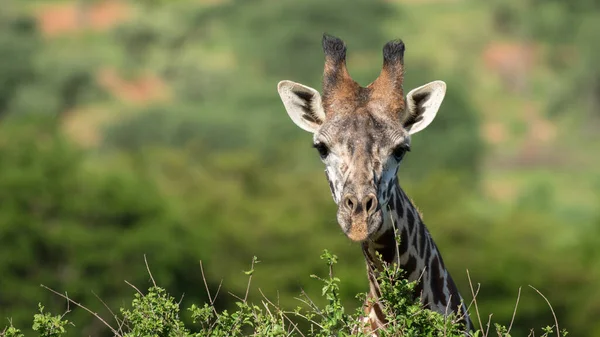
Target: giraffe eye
323, 150
399, 151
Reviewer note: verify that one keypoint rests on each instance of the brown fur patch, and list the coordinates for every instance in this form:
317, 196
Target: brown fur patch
387, 95
358, 231
342, 98
341, 94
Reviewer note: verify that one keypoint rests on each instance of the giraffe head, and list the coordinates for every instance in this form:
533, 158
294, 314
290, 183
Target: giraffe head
361, 133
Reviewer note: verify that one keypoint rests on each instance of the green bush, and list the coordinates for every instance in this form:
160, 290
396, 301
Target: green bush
156, 313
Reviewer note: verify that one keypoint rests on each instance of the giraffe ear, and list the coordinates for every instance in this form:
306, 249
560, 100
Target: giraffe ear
303, 104
422, 105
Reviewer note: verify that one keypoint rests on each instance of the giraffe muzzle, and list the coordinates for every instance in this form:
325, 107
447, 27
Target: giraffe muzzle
359, 217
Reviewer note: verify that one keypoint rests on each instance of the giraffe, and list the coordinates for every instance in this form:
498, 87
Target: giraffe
362, 135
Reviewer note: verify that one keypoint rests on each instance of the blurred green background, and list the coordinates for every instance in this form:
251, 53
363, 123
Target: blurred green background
154, 127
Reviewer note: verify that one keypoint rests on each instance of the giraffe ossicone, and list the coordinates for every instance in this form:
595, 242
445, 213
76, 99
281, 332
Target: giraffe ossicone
362, 134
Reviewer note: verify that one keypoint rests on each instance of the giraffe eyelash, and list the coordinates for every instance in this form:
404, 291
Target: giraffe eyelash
322, 148
399, 151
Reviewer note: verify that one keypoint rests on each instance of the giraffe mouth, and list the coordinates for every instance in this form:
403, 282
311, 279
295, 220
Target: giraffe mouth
361, 229
358, 231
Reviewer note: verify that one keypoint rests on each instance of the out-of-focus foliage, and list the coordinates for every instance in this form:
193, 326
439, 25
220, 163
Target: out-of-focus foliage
18, 42
217, 172
39, 78
571, 30
73, 226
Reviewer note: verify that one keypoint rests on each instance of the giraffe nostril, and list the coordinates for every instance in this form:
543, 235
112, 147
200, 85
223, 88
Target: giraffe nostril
350, 203
370, 203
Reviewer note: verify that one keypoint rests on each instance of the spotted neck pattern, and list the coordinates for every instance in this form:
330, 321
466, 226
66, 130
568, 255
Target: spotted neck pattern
419, 258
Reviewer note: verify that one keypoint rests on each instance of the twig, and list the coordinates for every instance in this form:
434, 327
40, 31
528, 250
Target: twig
84, 308
474, 299
489, 323
278, 298
420, 279
551, 309
236, 296
136, 289
149, 273
395, 238
476, 293
249, 281
109, 310
245, 300
295, 326
514, 312
68, 307
446, 315
208, 290
448, 306
306, 318
217, 292
312, 304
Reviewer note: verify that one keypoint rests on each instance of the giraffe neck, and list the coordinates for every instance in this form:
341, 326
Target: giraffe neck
418, 256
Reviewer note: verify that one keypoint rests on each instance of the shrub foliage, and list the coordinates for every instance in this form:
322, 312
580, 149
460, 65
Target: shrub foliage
156, 313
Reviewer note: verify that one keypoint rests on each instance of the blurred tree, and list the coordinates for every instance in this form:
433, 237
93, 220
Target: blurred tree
63, 80
570, 28
39, 77
19, 43
80, 228
174, 126
283, 38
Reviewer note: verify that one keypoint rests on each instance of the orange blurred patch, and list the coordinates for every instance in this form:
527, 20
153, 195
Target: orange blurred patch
494, 132
55, 20
511, 61
501, 190
144, 89
541, 130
